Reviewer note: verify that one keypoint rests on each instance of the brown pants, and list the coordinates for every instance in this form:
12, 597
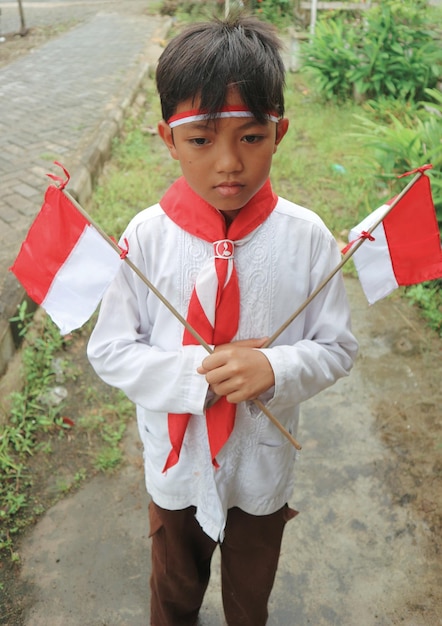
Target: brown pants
181, 556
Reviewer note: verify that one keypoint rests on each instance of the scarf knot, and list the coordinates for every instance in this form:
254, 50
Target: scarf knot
224, 249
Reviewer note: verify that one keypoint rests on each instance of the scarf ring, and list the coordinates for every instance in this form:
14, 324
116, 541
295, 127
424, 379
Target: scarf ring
215, 301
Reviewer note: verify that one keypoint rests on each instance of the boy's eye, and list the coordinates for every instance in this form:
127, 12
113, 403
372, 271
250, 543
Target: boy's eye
252, 138
199, 141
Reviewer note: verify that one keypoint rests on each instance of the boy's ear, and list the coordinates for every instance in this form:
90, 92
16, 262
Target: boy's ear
281, 129
165, 132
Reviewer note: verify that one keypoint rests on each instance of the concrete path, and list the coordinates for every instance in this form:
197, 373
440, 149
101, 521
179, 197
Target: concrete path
359, 554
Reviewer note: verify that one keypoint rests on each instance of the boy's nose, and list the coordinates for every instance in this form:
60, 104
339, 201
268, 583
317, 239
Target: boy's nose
228, 161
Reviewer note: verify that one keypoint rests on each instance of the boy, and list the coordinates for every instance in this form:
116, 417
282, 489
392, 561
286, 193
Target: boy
236, 261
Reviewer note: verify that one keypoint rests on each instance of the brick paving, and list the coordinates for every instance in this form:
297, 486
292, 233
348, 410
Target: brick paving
65, 101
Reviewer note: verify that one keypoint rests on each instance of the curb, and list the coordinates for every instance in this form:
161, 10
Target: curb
87, 163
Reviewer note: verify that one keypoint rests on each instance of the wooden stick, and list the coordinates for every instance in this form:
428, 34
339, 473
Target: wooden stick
328, 278
278, 424
174, 312
343, 261
145, 280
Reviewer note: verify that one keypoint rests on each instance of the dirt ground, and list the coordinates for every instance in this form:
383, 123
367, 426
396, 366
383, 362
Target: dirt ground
397, 380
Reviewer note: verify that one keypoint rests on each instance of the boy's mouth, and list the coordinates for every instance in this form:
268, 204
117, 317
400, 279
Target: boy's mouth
227, 189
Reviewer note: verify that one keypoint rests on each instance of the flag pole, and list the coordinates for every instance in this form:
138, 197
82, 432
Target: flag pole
133, 267
174, 312
357, 244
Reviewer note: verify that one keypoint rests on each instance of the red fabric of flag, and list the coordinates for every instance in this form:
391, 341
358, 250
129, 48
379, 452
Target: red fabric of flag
405, 247
52, 236
413, 236
64, 264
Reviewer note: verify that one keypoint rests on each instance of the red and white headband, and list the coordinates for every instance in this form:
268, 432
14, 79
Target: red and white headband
196, 115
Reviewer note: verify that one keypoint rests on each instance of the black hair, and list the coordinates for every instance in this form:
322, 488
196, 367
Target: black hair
205, 58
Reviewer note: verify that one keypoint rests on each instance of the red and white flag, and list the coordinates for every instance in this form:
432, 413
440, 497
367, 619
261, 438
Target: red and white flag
404, 248
65, 264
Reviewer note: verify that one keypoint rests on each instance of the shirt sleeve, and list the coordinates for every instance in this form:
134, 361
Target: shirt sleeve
327, 349
121, 352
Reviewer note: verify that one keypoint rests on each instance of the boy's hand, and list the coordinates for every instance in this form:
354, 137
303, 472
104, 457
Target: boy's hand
238, 371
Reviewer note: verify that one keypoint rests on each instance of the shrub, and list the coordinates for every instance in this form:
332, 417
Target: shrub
278, 12
404, 143
330, 56
392, 52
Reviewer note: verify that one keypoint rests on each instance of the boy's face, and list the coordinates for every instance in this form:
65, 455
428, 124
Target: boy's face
224, 161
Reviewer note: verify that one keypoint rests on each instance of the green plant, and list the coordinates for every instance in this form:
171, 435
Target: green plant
108, 458
330, 56
110, 454
140, 171
383, 107
278, 12
80, 476
393, 52
399, 57
318, 165
110, 425
428, 297
29, 417
191, 10
398, 146
23, 319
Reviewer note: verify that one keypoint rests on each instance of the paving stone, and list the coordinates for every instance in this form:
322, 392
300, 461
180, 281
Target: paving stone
53, 104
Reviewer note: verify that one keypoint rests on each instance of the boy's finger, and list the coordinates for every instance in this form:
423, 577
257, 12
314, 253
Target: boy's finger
211, 362
243, 343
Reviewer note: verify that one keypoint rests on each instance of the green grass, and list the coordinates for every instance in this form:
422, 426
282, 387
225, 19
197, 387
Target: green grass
39, 442
137, 175
318, 164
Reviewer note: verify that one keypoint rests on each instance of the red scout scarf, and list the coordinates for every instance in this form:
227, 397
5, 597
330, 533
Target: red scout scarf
214, 304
